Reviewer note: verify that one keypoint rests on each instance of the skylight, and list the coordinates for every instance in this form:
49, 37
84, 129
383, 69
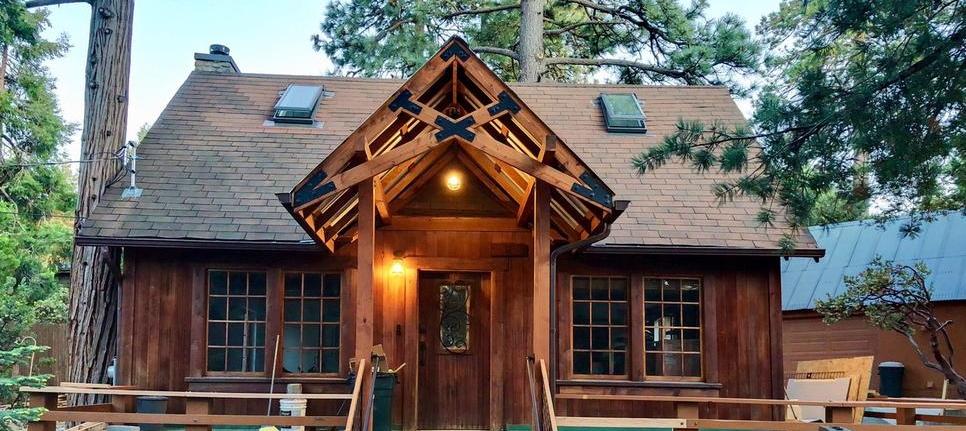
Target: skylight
297, 104
623, 113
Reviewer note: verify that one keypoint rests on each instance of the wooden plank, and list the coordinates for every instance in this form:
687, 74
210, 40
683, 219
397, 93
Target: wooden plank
948, 404
858, 368
356, 396
380, 201
607, 422
458, 224
800, 426
99, 407
548, 396
178, 394
53, 416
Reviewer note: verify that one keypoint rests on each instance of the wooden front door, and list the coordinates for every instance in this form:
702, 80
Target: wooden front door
454, 351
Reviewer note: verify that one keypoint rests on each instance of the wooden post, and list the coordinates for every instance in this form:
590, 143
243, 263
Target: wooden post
197, 406
47, 401
905, 416
839, 414
365, 277
541, 272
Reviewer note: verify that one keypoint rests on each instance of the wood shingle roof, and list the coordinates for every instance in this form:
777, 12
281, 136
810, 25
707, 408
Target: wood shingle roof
210, 166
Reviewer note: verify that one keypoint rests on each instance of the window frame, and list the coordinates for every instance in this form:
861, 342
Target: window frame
635, 366
274, 318
628, 351
702, 350
342, 313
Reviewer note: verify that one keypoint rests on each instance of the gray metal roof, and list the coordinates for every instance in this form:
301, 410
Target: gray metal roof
941, 245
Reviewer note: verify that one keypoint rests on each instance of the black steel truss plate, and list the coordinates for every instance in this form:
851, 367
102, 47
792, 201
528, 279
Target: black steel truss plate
506, 104
311, 189
403, 100
596, 192
459, 128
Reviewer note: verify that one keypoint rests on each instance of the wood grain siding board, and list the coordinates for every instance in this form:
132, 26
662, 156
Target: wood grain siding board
737, 342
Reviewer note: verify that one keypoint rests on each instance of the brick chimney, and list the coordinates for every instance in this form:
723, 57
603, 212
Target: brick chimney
216, 60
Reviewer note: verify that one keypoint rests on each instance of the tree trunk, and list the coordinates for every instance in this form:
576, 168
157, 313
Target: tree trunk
530, 49
94, 276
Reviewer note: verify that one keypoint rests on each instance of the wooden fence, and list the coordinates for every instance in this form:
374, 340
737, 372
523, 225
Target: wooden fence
837, 413
197, 416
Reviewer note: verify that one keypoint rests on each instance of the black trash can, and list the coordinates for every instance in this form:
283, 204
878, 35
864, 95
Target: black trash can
890, 378
382, 405
151, 404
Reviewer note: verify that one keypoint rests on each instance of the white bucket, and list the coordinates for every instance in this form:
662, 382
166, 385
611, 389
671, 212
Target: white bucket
291, 407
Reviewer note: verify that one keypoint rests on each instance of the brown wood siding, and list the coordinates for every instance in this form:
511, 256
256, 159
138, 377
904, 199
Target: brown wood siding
806, 338
157, 349
458, 249
737, 316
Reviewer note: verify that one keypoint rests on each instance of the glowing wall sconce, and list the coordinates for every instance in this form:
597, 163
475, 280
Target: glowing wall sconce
397, 267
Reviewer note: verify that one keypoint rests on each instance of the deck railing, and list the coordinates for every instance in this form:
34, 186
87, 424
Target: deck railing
197, 414
838, 413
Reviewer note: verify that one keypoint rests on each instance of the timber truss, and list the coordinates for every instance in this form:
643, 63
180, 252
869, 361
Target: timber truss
454, 106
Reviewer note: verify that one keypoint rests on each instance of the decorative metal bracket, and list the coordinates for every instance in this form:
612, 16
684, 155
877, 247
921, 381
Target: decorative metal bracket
455, 49
311, 190
506, 104
459, 128
403, 100
596, 192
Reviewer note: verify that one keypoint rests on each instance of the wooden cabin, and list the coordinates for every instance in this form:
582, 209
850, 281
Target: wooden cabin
851, 246
463, 223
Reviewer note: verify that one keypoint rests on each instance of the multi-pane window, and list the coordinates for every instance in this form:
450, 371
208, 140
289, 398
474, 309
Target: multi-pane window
311, 328
672, 327
236, 321
600, 325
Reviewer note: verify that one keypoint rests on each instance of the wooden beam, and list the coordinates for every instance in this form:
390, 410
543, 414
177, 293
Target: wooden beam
377, 165
420, 178
365, 282
379, 195
530, 166
541, 272
428, 160
494, 170
526, 206
506, 199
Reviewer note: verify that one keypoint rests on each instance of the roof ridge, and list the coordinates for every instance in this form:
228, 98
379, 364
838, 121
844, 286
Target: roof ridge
512, 84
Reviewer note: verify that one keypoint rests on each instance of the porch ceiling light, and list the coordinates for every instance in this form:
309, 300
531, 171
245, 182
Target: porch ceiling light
454, 181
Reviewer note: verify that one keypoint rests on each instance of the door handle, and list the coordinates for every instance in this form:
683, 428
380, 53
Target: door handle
422, 353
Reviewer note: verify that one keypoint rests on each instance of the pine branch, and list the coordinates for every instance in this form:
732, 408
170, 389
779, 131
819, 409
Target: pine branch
571, 27
42, 3
620, 63
481, 11
497, 51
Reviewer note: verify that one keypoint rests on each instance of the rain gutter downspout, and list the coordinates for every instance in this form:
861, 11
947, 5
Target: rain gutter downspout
619, 207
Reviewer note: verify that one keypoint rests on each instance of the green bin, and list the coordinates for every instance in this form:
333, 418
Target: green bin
382, 405
382, 408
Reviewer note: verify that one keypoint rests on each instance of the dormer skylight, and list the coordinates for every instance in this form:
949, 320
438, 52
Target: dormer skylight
623, 113
297, 104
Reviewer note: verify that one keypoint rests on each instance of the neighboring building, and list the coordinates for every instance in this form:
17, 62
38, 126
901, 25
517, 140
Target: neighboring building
428, 228
850, 247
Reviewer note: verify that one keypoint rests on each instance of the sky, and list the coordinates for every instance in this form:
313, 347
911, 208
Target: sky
264, 37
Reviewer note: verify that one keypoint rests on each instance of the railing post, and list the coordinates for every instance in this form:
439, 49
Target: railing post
47, 401
199, 406
905, 416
